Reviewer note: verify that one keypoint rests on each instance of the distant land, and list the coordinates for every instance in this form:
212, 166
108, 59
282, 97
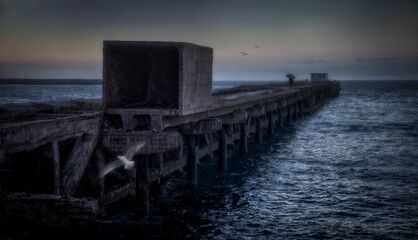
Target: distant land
52, 81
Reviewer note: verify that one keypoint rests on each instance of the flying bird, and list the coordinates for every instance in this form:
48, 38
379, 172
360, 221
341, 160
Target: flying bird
255, 45
244, 53
125, 160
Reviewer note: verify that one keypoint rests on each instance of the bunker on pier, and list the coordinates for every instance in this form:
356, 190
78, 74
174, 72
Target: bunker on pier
174, 76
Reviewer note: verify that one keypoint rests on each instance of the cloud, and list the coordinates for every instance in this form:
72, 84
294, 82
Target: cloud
356, 69
314, 31
386, 60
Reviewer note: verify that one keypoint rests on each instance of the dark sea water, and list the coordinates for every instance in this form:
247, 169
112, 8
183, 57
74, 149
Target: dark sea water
19, 93
16, 93
348, 171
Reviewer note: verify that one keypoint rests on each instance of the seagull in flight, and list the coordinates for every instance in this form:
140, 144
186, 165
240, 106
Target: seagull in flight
255, 45
244, 53
125, 160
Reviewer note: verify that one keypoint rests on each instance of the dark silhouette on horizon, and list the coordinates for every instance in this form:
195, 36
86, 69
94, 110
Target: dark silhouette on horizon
291, 78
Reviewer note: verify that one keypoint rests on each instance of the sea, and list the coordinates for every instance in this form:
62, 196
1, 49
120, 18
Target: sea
347, 171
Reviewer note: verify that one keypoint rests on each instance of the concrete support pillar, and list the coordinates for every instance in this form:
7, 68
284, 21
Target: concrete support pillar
312, 103
300, 109
100, 166
157, 122
2, 161
128, 122
158, 161
258, 131
142, 184
289, 114
280, 117
222, 158
192, 161
243, 139
271, 123
208, 140
2, 156
230, 129
295, 111
57, 168
230, 133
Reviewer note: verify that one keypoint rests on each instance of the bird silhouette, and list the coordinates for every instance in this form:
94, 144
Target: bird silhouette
124, 160
244, 53
255, 45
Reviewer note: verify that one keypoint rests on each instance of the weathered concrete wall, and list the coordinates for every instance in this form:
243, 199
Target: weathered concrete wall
195, 79
159, 75
119, 142
31, 134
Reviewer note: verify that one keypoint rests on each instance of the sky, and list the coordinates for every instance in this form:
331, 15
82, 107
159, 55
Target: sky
349, 39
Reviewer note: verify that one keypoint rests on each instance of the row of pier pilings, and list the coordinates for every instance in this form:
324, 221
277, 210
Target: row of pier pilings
211, 135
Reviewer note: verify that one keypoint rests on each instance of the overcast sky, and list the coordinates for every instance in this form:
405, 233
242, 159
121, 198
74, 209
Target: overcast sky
348, 39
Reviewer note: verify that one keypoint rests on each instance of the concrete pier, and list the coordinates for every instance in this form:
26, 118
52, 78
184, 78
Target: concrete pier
289, 114
280, 118
55, 150
258, 130
192, 161
142, 184
243, 138
222, 158
270, 123
155, 93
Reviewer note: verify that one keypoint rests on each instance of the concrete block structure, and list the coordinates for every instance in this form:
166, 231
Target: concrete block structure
319, 77
157, 75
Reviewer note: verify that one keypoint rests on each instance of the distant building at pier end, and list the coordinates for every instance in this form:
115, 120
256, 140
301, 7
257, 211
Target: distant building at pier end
319, 77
